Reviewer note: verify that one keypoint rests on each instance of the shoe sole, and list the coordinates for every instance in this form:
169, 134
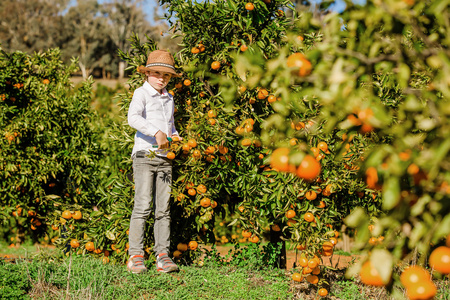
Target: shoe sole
138, 271
168, 270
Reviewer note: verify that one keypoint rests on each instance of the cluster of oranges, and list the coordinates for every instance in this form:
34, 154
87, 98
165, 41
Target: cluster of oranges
308, 169
183, 247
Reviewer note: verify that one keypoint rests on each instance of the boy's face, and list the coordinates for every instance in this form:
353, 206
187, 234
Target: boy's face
158, 80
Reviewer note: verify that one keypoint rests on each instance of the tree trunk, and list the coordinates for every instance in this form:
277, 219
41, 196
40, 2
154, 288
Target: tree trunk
121, 69
275, 238
83, 70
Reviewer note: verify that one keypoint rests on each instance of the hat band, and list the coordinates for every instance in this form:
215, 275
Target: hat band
160, 65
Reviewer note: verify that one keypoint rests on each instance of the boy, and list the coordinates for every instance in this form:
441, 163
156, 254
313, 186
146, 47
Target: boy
151, 114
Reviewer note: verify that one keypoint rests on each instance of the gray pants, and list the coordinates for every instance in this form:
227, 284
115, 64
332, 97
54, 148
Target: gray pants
152, 181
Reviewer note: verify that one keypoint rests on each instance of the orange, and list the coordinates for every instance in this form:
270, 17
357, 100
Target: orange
275, 227
244, 48
193, 245
192, 143
280, 159
303, 262
215, 65
201, 189
316, 271
210, 150
370, 276
45, 81
249, 6
312, 279
171, 155
182, 247
254, 239
187, 82
89, 246
322, 146
177, 253
262, 94
312, 263
192, 192
306, 270
205, 202
31, 213
66, 214
422, 290
321, 204
246, 142
291, 222
246, 233
55, 227
195, 50
371, 177
212, 113
271, 99
186, 147
311, 195
213, 204
223, 150
290, 214
309, 217
309, 168
413, 275
440, 259
323, 292
197, 153
327, 246
301, 247
242, 89
201, 47
241, 208
297, 277
301, 64
74, 243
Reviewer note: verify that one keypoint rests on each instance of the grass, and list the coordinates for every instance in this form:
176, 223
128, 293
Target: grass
48, 274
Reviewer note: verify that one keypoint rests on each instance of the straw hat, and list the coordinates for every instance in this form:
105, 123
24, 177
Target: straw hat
160, 60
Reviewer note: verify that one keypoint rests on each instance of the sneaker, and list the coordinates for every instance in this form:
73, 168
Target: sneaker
136, 265
165, 264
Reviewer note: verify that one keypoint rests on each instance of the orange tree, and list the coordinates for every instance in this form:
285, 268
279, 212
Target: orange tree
49, 147
379, 78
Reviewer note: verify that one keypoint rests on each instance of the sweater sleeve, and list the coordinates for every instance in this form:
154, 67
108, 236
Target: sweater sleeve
135, 115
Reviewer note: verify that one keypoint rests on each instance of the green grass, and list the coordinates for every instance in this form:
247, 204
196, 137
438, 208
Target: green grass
87, 278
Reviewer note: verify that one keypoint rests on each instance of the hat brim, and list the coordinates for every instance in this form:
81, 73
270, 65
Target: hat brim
160, 69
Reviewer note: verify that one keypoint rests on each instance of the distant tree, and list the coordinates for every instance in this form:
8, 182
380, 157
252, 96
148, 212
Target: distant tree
125, 18
31, 25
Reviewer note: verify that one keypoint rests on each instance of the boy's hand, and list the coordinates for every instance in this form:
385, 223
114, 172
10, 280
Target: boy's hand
161, 139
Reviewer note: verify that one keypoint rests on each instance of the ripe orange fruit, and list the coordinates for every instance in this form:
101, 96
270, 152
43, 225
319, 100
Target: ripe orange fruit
323, 292
66, 214
371, 177
171, 155
187, 82
89, 246
280, 159
74, 243
77, 215
312, 263
244, 48
262, 94
301, 64
213, 204
246, 142
55, 227
254, 239
249, 6
422, 290
192, 143
309, 217
215, 65
316, 271
223, 150
186, 147
297, 277
275, 227
192, 192
177, 253
303, 261
311, 195
301, 247
312, 279
246, 233
291, 222
182, 247
413, 275
195, 50
309, 168
196, 153
45, 81
271, 99
193, 245
290, 214
31, 213
201, 189
370, 276
322, 146
440, 259
205, 202
201, 47
327, 246
212, 113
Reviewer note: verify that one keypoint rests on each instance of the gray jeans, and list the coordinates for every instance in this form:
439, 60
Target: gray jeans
152, 181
